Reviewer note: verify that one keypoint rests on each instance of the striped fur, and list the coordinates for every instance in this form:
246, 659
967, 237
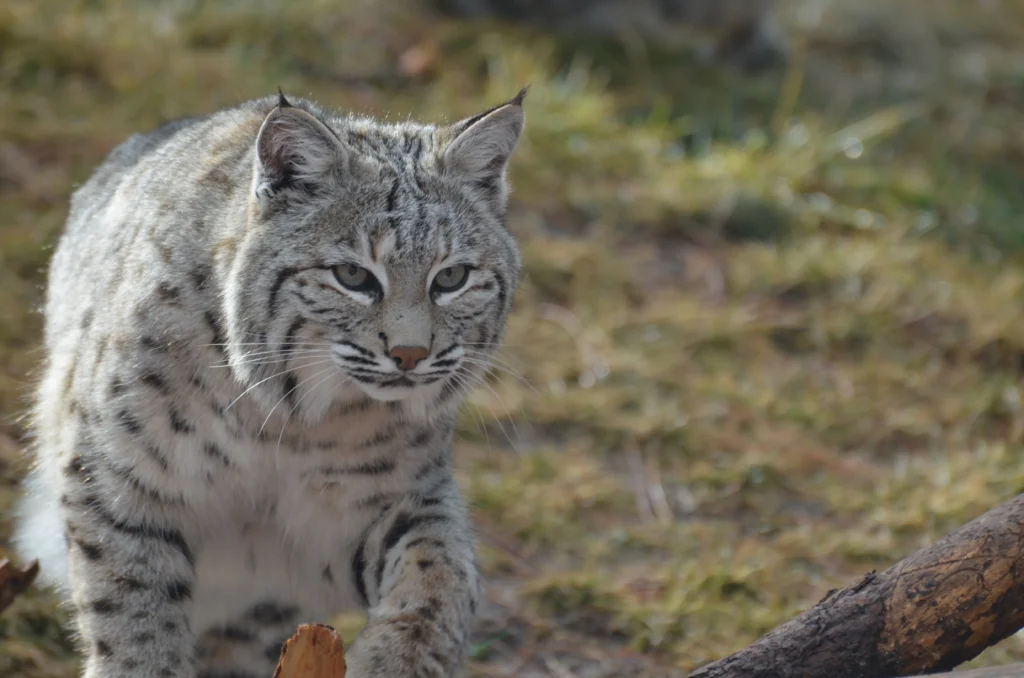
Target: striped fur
227, 444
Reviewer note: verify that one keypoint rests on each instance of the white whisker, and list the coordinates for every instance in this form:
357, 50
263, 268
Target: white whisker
481, 425
261, 381
481, 382
295, 407
278, 353
501, 368
263, 344
318, 354
496, 360
286, 394
493, 353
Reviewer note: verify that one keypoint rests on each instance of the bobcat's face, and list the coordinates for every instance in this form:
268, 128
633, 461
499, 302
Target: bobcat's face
377, 256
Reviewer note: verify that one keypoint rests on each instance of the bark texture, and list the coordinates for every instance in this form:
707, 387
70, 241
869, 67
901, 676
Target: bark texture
930, 612
315, 651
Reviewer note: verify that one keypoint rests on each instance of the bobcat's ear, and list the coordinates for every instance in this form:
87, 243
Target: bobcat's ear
483, 144
295, 150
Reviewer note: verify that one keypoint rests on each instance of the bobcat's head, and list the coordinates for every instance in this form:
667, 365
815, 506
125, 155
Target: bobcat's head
375, 260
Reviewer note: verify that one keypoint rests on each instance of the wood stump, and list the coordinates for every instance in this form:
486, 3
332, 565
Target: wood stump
315, 651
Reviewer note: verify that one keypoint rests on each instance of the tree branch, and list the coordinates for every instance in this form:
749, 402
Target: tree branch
930, 612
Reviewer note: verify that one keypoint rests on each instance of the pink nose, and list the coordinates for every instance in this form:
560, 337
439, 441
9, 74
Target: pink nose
408, 357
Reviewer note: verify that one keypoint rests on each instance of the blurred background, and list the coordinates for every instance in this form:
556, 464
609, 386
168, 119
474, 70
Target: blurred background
770, 331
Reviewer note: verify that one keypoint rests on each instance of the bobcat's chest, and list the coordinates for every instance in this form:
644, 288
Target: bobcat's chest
348, 459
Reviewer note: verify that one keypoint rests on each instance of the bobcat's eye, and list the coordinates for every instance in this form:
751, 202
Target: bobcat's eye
451, 278
356, 278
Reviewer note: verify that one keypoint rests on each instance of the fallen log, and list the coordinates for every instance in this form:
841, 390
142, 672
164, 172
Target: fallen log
929, 612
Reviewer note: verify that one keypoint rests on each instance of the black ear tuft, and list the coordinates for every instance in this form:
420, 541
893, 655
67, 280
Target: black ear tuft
282, 102
518, 99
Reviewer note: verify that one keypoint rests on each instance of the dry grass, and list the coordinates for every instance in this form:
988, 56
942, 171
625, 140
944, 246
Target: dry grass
770, 332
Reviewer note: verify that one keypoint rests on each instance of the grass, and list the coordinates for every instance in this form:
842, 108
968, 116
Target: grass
770, 331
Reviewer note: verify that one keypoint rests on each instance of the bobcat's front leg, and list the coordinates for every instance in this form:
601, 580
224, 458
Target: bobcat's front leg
416, 568
131, 574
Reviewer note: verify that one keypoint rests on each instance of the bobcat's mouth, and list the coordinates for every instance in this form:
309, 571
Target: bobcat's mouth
399, 388
382, 382
387, 394
401, 381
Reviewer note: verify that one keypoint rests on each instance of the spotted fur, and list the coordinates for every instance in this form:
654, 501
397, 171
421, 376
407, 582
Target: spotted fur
227, 442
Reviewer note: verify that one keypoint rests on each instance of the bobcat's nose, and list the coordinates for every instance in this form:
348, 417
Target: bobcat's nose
408, 357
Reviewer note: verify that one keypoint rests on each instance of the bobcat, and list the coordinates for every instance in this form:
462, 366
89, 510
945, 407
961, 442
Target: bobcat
259, 327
